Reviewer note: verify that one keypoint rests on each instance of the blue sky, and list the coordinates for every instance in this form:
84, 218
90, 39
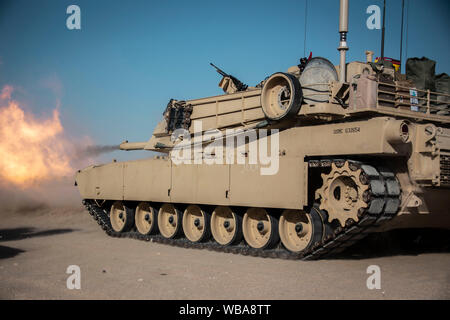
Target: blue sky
114, 77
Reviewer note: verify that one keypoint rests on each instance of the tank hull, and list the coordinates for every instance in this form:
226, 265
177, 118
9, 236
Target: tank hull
162, 180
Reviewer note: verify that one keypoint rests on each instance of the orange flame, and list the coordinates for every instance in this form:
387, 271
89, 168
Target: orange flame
30, 150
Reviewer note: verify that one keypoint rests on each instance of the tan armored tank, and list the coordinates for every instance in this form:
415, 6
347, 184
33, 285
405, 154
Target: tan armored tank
301, 166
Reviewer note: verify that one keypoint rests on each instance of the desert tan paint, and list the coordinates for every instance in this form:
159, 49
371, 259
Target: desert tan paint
161, 180
310, 135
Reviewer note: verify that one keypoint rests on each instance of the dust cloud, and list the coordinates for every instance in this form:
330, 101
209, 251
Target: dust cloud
54, 191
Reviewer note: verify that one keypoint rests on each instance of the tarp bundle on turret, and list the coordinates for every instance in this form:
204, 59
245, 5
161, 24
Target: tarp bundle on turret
422, 72
442, 83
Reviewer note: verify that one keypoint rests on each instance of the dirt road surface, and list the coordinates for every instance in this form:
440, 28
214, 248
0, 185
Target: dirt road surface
36, 249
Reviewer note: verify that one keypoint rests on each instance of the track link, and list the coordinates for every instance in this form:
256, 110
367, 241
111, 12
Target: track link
383, 205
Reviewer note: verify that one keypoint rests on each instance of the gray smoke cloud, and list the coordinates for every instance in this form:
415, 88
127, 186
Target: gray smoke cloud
82, 153
96, 150
100, 149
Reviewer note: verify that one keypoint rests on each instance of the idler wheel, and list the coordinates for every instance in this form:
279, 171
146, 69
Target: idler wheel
196, 223
121, 217
226, 226
299, 230
260, 228
169, 221
146, 219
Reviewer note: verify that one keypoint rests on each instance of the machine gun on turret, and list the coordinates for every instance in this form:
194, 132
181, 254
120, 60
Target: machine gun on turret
229, 83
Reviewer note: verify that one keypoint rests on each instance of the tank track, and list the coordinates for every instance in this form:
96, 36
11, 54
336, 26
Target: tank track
383, 204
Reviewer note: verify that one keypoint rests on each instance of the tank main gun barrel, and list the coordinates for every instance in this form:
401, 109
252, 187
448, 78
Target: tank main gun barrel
132, 145
343, 29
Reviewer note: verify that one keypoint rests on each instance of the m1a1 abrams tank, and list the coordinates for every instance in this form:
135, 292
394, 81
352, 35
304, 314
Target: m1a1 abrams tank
354, 149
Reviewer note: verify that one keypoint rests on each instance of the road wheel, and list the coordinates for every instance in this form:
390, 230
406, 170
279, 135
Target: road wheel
300, 230
146, 218
169, 221
121, 217
196, 223
260, 228
226, 226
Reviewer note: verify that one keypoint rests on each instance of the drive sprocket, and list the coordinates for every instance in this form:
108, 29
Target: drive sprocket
344, 192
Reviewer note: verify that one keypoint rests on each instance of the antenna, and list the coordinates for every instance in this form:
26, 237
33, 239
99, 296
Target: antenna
343, 29
407, 29
382, 31
306, 17
401, 37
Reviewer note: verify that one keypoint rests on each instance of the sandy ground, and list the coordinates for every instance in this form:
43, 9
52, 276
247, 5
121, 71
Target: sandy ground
36, 249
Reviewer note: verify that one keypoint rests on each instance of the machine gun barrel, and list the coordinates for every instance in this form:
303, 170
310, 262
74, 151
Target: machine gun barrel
219, 71
239, 85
